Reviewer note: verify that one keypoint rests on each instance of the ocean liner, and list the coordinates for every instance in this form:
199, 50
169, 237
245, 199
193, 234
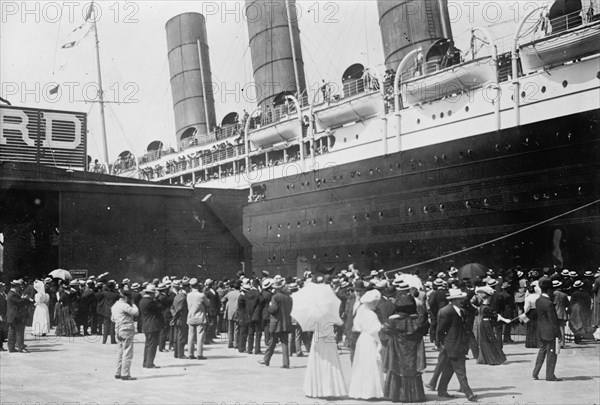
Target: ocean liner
448, 157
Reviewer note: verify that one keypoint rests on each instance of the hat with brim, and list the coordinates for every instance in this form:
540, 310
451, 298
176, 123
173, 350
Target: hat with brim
373, 273
344, 284
577, 284
492, 283
279, 283
565, 272
74, 283
17, 283
403, 286
438, 281
556, 283
487, 290
455, 293
267, 283
573, 273
135, 286
520, 274
161, 286
588, 273
246, 286
150, 288
441, 275
293, 287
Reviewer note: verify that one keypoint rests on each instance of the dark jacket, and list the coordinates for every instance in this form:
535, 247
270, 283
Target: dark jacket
179, 310
280, 309
214, 300
548, 322
561, 304
503, 303
15, 308
452, 332
437, 301
152, 314
247, 303
264, 305
109, 297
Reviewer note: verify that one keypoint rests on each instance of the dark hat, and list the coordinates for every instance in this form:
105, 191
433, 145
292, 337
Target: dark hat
359, 285
327, 279
237, 284
545, 283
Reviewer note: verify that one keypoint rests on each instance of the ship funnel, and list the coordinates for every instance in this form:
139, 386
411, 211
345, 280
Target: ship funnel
410, 24
274, 46
191, 78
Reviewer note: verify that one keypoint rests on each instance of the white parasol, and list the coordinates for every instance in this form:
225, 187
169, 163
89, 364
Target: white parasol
61, 273
411, 280
316, 305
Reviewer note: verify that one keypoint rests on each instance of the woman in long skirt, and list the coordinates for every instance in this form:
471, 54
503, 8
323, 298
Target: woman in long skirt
530, 311
490, 349
367, 370
65, 324
400, 336
41, 315
324, 377
580, 319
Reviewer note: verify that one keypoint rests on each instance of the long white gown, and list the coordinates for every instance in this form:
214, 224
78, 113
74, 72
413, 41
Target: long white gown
367, 370
41, 315
324, 377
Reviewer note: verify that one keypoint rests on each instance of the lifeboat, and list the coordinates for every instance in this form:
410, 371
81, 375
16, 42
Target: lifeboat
344, 111
561, 47
451, 80
283, 131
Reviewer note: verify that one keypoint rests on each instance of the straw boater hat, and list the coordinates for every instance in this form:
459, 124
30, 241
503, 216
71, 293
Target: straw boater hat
588, 273
573, 273
441, 275
455, 293
293, 287
374, 273
161, 286
565, 272
492, 283
150, 288
246, 286
438, 281
135, 286
578, 284
16, 283
520, 274
556, 283
267, 283
278, 282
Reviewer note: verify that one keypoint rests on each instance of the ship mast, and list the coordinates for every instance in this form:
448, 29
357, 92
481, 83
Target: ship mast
100, 92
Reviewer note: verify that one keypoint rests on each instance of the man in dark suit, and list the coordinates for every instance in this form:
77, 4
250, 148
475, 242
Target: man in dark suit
152, 323
213, 311
16, 317
179, 310
265, 316
436, 301
452, 337
109, 297
561, 304
502, 302
548, 331
280, 309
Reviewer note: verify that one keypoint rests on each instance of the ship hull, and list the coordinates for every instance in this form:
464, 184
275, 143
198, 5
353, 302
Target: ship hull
440, 205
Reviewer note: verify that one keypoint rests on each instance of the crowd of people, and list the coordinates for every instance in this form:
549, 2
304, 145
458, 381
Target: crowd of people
384, 321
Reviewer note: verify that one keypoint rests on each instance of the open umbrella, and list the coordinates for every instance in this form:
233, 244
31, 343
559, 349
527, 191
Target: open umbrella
61, 273
316, 305
471, 271
412, 280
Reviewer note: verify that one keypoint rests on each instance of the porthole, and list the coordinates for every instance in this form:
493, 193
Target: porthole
367, 216
543, 89
425, 209
523, 94
344, 140
467, 109
449, 113
536, 197
441, 115
354, 217
565, 83
598, 75
516, 198
248, 229
356, 136
410, 211
330, 221
302, 184
442, 207
418, 121
433, 117
380, 214
468, 204
298, 224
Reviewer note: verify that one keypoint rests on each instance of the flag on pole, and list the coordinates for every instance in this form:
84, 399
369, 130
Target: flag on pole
54, 90
89, 11
69, 45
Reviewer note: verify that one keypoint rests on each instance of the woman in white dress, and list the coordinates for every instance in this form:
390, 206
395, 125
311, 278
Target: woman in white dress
324, 377
41, 315
367, 369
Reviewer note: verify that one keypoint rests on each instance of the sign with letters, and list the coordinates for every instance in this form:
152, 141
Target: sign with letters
52, 138
79, 274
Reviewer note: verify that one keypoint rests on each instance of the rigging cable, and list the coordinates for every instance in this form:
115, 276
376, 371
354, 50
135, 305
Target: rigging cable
57, 37
495, 239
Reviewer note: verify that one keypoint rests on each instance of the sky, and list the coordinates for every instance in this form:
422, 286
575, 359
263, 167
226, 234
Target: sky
134, 65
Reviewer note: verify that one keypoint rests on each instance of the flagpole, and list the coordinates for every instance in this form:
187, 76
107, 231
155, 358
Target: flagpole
100, 92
